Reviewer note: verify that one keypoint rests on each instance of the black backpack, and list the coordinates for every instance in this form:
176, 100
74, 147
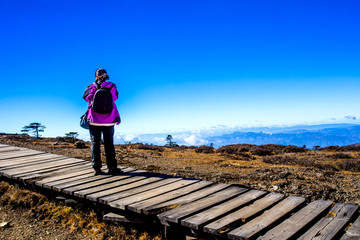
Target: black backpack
102, 101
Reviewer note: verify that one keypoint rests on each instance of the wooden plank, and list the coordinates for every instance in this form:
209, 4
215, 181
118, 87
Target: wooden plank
124, 202
270, 217
84, 186
167, 205
19, 176
7, 162
20, 150
22, 153
90, 178
8, 149
334, 223
34, 177
122, 180
140, 206
124, 219
292, 226
353, 232
66, 178
30, 162
10, 172
150, 186
198, 220
179, 213
126, 184
76, 174
243, 215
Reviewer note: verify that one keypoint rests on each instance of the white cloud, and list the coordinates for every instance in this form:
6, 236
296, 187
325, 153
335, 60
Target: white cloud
194, 139
159, 140
349, 117
126, 138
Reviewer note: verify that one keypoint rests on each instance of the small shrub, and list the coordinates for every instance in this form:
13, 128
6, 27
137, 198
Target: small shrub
294, 149
261, 151
80, 144
341, 156
350, 165
204, 149
149, 147
330, 148
235, 148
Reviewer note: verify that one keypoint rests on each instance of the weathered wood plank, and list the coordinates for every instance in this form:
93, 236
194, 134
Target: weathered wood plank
129, 183
124, 219
63, 174
67, 178
165, 206
8, 149
20, 176
84, 186
198, 220
151, 186
61, 162
18, 151
30, 162
26, 160
140, 206
334, 223
121, 180
243, 215
263, 222
88, 179
4, 145
22, 153
33, 177
292, 226
353, 233
124, 202
176, 214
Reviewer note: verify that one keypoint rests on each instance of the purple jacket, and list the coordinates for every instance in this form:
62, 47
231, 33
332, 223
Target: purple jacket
114, 116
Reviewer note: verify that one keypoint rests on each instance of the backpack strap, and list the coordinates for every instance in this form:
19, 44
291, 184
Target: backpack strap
98, 86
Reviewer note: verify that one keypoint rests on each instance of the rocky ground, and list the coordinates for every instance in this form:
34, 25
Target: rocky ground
331, 173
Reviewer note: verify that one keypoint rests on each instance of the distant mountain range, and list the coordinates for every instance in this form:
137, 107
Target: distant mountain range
322, 135
310, 136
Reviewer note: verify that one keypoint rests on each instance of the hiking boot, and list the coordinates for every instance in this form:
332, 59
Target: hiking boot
98, 171
114, 171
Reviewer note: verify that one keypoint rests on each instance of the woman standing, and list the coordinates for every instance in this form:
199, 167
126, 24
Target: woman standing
102, 116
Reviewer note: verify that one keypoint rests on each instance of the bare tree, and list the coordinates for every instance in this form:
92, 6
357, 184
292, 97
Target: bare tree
34, 128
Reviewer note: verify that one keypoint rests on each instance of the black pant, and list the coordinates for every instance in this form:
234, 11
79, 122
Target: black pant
108, 135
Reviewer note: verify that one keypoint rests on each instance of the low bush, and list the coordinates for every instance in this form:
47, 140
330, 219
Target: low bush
341, 156
294, 149
204, 149
261, 151
350, 165
149, 147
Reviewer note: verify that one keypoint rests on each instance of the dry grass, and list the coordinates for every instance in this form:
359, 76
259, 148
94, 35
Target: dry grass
70, 219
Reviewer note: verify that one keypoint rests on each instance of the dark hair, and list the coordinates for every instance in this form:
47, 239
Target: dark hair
100, 71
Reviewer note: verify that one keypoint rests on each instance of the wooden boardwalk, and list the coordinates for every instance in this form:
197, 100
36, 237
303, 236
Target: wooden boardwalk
184, 206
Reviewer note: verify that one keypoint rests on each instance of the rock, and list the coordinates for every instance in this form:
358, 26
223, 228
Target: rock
284, 174
294, 187
4, 224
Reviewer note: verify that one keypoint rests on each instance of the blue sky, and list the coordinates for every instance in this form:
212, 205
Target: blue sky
181, 65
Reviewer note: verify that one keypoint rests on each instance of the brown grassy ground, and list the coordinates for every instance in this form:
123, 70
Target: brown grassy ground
31, 215
332, 173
